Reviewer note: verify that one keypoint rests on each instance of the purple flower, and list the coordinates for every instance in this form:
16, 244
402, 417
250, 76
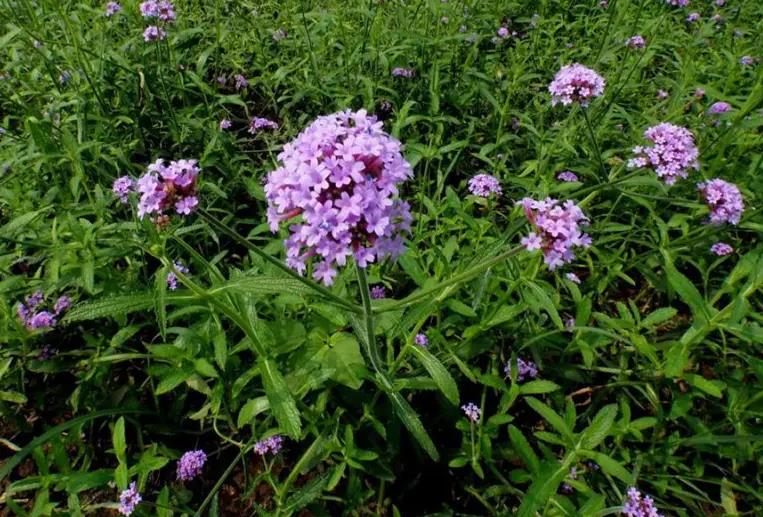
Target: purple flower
165, 11
721, 249
64, 78
636, 41
221, 80
503, 33
567, 176
569, 323
525, 370
153, 33
575, 83
558, 227
62, 304
717, 18
483, 185
341, 177
719, 107
378, 292
112, 8
603, 4
279, 34
47, 352
37, 44
720, 3
672, 154
678, 3
168, 186
698, 93
724, 200
662, 94
270, 445
572, 277
172, 279
149, 9
34, 318
225, 124
241, 82
693, 17
472, 412
190, 464
258, 123
747, 60
403, 72
637, 506
122, 187
421, 339
41, 320
129, 499
567, 488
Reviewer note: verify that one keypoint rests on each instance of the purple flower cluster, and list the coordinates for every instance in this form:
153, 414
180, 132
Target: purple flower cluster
406, 73
259, 123
719, 107
341, 175
154, 33
637, 506
421, 339
129, 499
172, 279
698, 93
636, 41
721, 249
503, 32
567, 176
724, 200
112, 8
270, 445
166, 186
678, 3
34, 317
572, 277
225, 124
190, 464
525, 370
672, 154
558, 229
162, 9
240, 82
746, 60
378, 292
122, 187
472, 411
483, 185
575, 83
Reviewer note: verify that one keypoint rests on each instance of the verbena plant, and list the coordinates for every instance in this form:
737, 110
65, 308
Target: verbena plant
212, 338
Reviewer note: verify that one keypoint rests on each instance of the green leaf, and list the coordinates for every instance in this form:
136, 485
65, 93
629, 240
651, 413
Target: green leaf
552, 417
599, 428
411, 421
710, 387
110, 307
118, 439
13, 396
22, 221
344, 358
171, 380
545, 302
281, 401
544, 486
251, 409
307, 493
439, 374
524, 450
261, 285
538, 387
728, 501
659, 316
610, 466
685, 289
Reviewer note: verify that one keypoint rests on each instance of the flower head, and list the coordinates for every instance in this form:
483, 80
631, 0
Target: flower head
62, 304
719, 107
575, 83
172, 279
129, 499
406, 73
525, 370
166, 186
279, 34
122, 187
672, 154
190, 464
572, 277
698, 93
270, 445
636, 41
259, 123
161, 9
558, 230
225, 124
378, 292
567, 176
472, 411
341, 177
721, 249
678, 3
240, 82
483, 185
693, 17
747, 60
421, 339
33, 315
112, 8
724, 200
503, 32
637, 505
154, 33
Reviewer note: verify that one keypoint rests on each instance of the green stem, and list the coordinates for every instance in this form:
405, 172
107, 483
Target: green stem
368, 319
222, 479
218, 225
595, 144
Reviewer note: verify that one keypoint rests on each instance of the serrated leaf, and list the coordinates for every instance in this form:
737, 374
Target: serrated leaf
523, 448
281, 401
251, 409
411, 420
439, 374
119, 441
544, 486
599, 428
610, 466
552, 417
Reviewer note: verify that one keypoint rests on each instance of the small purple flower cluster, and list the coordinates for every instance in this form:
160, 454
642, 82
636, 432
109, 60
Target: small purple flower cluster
406, 73
472, 411
270, 445
693, 17
637, 506
503, 32
662, 94
724, 200
698, 93
421, 339
678, 3
34, 317
112, 8
240, 82
672, 154
378, 292
172, 279
746, 60
567, 176
190, 464
558, 229
718, 108
341, 175
129, 499
721, 249
122, 187
259, 123
162, 10
572, 277
225, 124
164, 187
525, 370
636, 41
483, 185
575, 83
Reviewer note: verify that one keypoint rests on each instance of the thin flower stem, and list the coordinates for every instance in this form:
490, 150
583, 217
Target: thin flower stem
219, 483
218, 225
368, 320
594, 143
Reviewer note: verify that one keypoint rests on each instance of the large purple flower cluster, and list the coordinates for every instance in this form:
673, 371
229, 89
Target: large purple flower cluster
341, 176
190, 464
672, 154
161, 10
575, 83
166, 186
33, 315
637, 505
724, 199
558, 229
